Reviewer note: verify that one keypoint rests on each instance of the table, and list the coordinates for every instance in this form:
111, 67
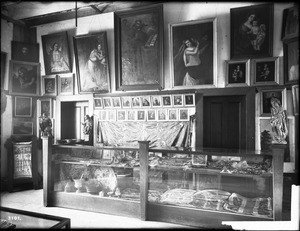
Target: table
25, 219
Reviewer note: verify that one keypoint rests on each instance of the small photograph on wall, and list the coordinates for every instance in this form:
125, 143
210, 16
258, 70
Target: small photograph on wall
131, 115
107, 102
238, 73
121, 115
56, 53
151, 115
49, 85
66, 84
184, 114
145, 100
23, 106
141, 115
266, 71
162, 114
22, 127
98, 104
156, 101
26, 52
177, 100
45, 106
24, 78
173, 114
189, 100
126, 102
251, 32
166, 101
116, 101
265, 100
136, 102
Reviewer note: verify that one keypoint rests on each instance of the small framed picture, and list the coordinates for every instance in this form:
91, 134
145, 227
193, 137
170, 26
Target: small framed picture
26, 52
295, 95
49, 85
136, 101
151, 115
23, 106
290, 23
183, 114
141, 115
126, 102
189, 100
145, 101
265, 100
98, 104
103, 115
199, 160
131, 115
44, 106
156, 101
116, 101
162, 114
291, 61
266, 71
173, 114
66, 84
178, 100
237, 73
107, 103
22, 127
112, 115
166, 100
121, 115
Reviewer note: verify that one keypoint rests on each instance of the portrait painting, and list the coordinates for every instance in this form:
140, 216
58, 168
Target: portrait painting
49, 85
126, 102
107, 102
173, 114
177, 100
162, 114
151, 115
291, 61
56, 53
145, 101
139, 48
156, 101
136, 102
45, 106
189, 100
265, 100
141, 115
238, 73
295, 95
251, 31
66, 84
116, 101
266, 71
92, 63
166, 100
183, 114
193, 52
290, 23
26, 52
24, 78
121, 115
22, 127
23, 106
98, 104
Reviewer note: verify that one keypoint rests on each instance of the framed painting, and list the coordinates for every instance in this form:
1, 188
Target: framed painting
189, 100
56, 53
107, 103
139, 48
251, 31
162, 114
166, 100
26, 52
290, 23
177, 100
266, 71
44, 106
136, 101
126, 102
23, 106
141, 115
173, 114
183, 114
151, 115
66, 84
98, 103
112, 115
22, 127
156, 101
116, 101
193, 53
103, 115
295, 95
237, 73
49, 85
92, 63
24, 78
131, 115
145, 101
121, 115
265, 100
291, 61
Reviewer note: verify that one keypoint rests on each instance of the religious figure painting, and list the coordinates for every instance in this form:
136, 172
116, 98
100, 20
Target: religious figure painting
193, 53
266, 95
266, 71
251, 32
238, 73
26, 52
291, 61
56, 53
139, 48
92, 62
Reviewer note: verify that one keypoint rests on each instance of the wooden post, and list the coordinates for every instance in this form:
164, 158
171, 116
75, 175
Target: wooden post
278, 158
34, 161
143, 154
47, 173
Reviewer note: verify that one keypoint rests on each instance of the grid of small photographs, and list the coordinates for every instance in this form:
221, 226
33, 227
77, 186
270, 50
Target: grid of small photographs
159, 108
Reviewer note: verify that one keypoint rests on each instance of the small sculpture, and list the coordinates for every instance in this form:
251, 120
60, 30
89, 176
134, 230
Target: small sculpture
87, 125
278, 122
45, 125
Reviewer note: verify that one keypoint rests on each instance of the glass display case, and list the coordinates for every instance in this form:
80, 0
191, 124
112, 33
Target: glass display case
196, 187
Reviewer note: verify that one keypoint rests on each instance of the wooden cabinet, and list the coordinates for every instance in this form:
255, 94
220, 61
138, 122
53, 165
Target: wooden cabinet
162, 184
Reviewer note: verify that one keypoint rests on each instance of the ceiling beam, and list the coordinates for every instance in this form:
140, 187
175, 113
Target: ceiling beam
14, 21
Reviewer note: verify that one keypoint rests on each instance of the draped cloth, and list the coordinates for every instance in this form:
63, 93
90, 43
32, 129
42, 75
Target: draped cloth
160, 134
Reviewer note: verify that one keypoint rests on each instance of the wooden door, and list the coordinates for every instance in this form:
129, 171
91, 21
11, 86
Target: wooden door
224, 122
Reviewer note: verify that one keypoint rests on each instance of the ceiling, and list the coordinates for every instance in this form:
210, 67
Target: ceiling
33, 13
